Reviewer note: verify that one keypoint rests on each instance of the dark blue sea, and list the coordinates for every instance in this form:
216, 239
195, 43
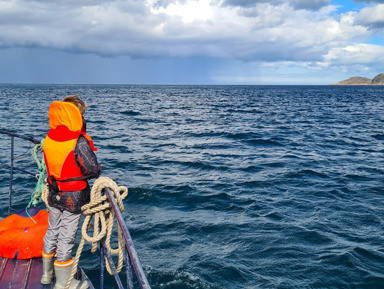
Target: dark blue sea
231, 186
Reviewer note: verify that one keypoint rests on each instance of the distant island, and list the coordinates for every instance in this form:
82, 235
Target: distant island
357, 80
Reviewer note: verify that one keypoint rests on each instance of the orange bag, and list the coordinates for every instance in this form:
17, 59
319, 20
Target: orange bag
20, 237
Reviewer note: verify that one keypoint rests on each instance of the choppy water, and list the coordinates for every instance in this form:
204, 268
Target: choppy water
234, 186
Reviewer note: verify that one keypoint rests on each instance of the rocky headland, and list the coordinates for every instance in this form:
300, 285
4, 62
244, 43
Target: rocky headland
357, 80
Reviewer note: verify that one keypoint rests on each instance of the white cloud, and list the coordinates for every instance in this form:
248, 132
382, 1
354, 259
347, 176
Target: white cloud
266, 31
297, 4
371, 17
357, 53
188, 12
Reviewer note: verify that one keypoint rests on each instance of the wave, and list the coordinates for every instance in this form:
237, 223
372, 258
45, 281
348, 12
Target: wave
130, 113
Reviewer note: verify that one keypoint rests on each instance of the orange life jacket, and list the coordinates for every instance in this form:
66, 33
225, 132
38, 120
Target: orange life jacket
66, 124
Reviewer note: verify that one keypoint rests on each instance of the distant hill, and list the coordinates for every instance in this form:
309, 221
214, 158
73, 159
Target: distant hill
357, 80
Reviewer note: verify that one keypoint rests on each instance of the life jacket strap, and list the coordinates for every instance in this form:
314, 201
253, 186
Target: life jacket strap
52, 181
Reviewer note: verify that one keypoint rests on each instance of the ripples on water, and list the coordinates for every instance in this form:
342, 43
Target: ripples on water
235, 186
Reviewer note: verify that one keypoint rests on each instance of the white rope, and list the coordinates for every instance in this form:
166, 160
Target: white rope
45, 194
99, 207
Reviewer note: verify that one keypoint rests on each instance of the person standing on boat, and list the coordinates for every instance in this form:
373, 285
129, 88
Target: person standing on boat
71, 161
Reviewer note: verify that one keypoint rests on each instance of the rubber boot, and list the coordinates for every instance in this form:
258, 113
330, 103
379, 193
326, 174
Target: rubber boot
62, 272
48, 274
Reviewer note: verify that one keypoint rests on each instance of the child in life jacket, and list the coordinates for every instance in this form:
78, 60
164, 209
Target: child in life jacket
71, 161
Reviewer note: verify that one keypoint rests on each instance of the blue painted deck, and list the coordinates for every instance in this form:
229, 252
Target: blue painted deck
26, 274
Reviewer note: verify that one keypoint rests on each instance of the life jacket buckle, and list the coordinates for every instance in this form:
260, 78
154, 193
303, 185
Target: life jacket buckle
52, 182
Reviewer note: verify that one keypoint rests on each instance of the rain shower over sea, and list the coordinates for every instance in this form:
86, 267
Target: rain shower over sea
233, 186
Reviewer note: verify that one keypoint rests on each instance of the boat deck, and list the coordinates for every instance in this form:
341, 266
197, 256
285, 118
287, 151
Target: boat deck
26, 274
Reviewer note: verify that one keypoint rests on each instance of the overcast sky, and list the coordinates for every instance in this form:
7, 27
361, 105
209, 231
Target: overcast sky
190, 41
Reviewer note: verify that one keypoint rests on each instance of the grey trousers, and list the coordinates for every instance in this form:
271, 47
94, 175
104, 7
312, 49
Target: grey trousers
61, 233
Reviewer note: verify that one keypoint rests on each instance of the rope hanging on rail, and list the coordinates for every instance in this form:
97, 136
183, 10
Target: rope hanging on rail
39, 188
35, 197
100, 208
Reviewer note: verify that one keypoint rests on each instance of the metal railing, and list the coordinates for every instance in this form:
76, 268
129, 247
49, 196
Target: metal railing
11, 167
130, 253
130, 257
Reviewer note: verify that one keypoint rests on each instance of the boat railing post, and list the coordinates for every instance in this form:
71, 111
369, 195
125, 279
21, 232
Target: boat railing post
12, 165
105, 255
101, 266
11, 176
128, 270
113, 268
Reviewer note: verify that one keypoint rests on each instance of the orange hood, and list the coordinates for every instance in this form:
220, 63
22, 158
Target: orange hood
66, 114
